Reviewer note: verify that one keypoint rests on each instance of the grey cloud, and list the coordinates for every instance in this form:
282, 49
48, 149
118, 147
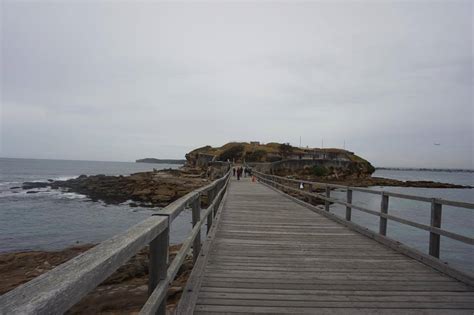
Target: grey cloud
118, 81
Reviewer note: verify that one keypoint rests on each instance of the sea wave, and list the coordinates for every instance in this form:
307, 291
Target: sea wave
10, 184
65, 177
49, 179
70, 195
51, 193
21, 193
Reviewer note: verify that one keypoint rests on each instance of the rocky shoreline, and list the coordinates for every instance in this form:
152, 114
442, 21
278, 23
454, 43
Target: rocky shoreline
124, 292
159, 188
146, 189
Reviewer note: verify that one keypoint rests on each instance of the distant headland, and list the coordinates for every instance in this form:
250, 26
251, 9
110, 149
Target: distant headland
160, 161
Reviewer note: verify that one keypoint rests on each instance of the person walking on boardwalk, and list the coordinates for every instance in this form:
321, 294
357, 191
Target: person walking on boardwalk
233, 171
239, 173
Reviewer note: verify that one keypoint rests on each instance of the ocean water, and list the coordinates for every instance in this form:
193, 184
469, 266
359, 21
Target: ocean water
454, 219
53, 220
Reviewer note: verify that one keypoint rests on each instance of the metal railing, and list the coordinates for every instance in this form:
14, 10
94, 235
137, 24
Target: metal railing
434, 229
59, 289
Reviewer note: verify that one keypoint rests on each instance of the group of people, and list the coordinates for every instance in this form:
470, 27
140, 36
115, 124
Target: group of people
241, 171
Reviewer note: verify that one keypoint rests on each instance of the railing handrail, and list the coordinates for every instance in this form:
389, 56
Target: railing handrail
434, 228
446, 202
59, 289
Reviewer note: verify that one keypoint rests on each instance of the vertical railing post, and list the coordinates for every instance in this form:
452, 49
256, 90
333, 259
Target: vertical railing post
435, 222
158, 264
214, 194
383, 210
310, 190
209, 220
196, 208
328, 195
210, 198
348, 207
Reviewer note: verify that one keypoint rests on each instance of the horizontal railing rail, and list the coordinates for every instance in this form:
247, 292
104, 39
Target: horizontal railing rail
59, 289
453, 203
434, 229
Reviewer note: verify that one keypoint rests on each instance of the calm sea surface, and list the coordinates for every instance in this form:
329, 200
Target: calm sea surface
459, 220
52, 220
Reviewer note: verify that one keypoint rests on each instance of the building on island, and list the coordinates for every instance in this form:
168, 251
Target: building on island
321, 154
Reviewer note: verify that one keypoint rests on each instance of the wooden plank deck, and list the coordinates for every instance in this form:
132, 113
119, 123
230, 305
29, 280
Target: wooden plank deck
271, 255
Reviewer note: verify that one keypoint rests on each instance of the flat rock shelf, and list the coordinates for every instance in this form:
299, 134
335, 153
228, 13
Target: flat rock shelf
268, 254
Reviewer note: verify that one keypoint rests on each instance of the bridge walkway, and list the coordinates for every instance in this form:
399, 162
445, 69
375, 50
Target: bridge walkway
271, 255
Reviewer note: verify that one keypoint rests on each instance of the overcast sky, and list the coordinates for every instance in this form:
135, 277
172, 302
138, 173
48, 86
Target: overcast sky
125, 80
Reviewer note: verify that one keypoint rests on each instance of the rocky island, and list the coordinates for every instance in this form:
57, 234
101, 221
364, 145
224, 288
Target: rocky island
160, 187
327, 165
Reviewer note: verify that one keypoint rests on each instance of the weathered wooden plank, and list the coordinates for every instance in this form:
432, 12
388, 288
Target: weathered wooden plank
435, 222
321, 270
339, 304
321, 292
306, 276
220, 309
159, 256
337, 297
196, 216
358, 286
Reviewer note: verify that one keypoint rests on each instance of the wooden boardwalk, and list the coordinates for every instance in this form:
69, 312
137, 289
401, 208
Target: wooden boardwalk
268, 254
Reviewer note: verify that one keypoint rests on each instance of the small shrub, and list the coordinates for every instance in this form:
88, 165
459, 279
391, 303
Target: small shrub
370, 168
319, 170
285, 150
234, 152
255, 156
273, 158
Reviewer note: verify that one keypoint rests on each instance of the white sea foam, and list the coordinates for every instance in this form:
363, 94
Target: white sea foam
52, 193
70, 195
64, 177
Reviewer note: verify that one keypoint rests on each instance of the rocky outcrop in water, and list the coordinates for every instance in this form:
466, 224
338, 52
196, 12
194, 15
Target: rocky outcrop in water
149, 189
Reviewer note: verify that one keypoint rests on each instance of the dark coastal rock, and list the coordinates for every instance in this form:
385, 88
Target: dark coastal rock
146, 189
32, 192
16, 187
32, 185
